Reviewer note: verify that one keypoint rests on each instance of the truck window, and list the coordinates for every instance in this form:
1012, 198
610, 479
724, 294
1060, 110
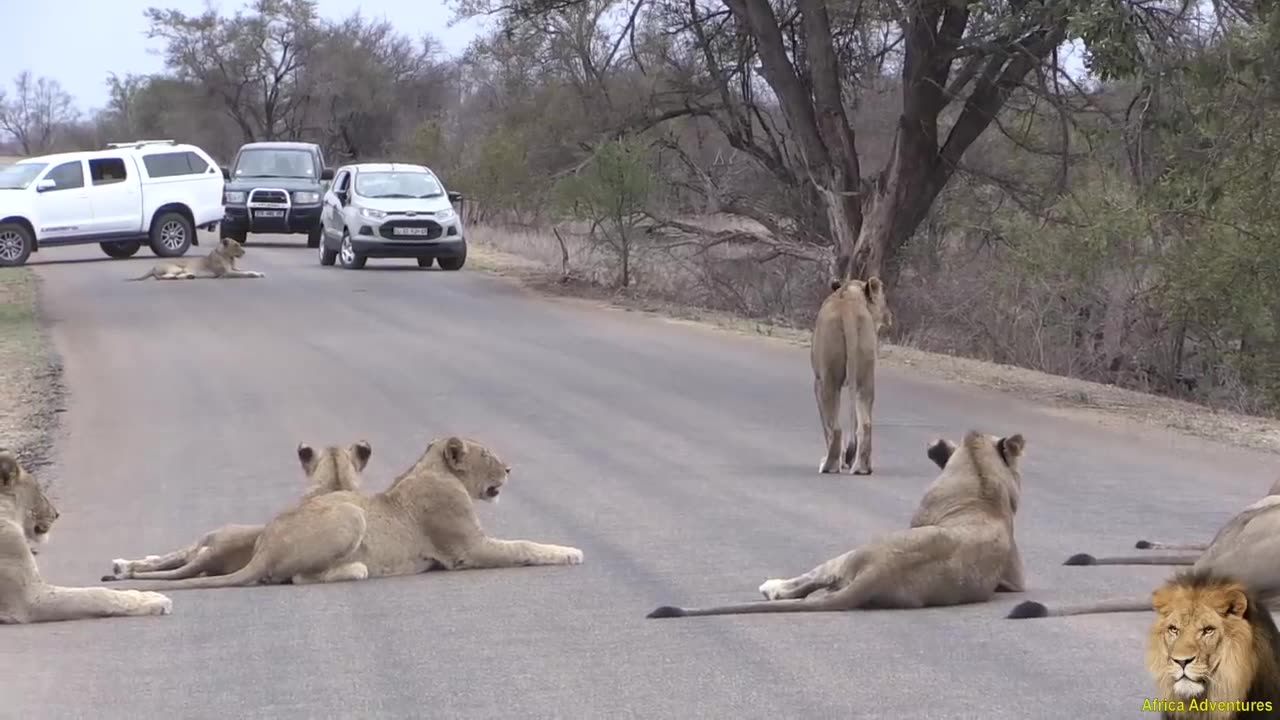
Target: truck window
172, 164
68, 175
107, 171
275, 162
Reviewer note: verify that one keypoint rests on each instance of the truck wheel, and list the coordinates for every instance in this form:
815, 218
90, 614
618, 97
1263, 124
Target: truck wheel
313, 238
171, 235
15, 245
239, 236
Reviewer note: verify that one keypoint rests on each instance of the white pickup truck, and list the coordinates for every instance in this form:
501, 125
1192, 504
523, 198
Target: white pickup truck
153, 191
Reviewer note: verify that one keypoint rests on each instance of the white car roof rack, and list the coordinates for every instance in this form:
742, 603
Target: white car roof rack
140, 143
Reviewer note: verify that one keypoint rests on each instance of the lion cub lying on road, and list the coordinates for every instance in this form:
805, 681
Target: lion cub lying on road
26, 516
959, 548
219, 263
227, 549
425, 521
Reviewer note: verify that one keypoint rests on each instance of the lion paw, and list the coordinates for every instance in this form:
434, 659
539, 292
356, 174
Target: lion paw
259, 274
573, 556
154, 603
772, 589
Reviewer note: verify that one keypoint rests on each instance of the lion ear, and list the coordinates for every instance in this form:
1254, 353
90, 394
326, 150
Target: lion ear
362, 451
305, 454
939, 451
1233, 601
1161, 598
873, 288
454, 450
835, 284
9, 470
1011, 447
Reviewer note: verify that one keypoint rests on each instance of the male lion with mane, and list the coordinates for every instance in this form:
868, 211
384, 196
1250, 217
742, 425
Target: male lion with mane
26, 517
426, 520
219, 263
843, 353
959, 548
1212, 650
227, 549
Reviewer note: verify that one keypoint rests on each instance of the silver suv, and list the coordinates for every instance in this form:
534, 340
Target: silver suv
390, 210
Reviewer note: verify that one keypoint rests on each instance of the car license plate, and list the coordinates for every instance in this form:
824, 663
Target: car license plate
269, 213
411, 231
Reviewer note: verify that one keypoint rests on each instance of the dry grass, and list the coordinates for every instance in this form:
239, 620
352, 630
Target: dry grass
29, 378
534, 258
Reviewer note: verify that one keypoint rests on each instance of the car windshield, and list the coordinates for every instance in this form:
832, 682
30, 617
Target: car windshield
18, 177
275, 163
397, 185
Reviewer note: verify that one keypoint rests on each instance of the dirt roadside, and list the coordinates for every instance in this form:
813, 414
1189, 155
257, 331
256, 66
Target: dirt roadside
30, 374
1097, 403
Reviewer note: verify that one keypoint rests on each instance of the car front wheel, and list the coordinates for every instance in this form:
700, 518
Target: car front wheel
15, 245
347, 254
454, 263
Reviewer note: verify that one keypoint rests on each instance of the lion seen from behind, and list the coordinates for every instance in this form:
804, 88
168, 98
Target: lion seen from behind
843, 354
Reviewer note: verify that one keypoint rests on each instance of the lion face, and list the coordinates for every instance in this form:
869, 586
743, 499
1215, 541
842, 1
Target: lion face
480, 469
1199, 638
232, 248
28, 499
334, 467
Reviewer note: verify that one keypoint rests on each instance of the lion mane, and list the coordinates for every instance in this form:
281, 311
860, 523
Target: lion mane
1212, 650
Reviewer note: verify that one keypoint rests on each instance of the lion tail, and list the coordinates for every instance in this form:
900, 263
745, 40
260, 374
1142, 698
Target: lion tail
149, 274
250, 574
1087, 559
1032, 609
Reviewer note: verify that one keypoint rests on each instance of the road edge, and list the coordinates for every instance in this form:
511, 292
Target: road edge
1093, 402
34, 391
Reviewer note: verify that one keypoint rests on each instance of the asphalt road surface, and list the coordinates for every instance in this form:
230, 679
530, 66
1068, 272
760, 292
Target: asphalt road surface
681, 460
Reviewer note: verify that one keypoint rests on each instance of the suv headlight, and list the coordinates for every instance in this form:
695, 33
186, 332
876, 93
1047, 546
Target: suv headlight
302, 197
233, 198
372, 214
446, 215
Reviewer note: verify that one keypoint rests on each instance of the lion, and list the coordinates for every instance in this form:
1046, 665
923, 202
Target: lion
219, 263
227, 549
843, 353
26, 519
1242, 549
958, 549
1212, 650
426, 520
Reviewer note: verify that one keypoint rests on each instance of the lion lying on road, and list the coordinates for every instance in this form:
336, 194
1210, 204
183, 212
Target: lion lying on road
1213, 641
219, 263
26, 517
229, 548
959, 548
425, 521
843, 353
1243, 549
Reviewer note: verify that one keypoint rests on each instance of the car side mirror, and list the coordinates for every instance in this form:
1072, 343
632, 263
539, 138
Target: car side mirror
226, 173
46, 185
326, 174
455, 197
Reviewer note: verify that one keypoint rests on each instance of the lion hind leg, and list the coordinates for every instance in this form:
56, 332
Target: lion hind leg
826, 576
56, 604
864, 396
827, 395
122, 569
341, 573
313, 549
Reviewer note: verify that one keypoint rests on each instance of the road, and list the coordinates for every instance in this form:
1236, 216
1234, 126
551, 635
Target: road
680, 459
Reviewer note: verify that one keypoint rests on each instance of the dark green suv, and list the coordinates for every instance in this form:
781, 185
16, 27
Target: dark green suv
276, 188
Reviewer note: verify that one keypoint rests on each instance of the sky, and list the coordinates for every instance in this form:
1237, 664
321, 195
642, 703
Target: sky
78, 42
